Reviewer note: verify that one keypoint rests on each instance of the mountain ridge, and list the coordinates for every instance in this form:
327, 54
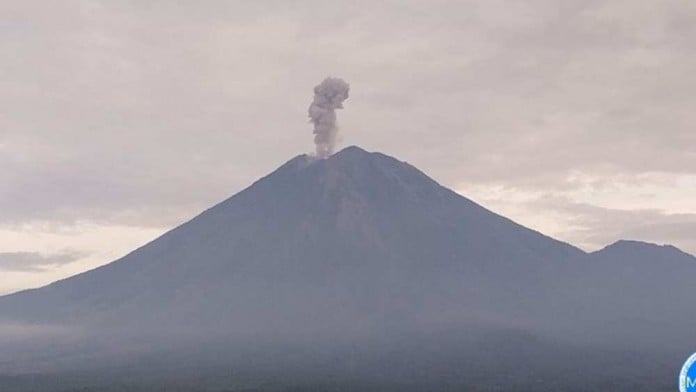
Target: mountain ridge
356, 249
636, 245
340, 181
304, 160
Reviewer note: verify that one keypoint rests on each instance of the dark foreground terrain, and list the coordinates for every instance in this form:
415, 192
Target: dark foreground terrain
417, 369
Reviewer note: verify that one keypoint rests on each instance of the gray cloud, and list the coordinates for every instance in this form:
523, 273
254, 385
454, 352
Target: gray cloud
594, 227
37, 262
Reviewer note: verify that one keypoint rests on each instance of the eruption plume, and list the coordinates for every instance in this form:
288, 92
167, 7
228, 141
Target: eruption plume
328, 96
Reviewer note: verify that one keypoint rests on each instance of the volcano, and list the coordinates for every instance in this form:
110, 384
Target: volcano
357, 272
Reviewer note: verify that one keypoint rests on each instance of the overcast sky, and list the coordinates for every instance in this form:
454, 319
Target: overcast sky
120, 120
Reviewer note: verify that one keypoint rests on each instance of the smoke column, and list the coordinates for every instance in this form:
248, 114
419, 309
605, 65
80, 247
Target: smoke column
328, 96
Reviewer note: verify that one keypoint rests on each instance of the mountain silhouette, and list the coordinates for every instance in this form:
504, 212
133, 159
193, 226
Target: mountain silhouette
360, 267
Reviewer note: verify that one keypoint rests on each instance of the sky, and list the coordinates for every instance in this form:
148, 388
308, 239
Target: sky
122, 120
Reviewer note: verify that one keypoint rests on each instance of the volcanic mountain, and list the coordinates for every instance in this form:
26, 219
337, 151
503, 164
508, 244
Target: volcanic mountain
357, 269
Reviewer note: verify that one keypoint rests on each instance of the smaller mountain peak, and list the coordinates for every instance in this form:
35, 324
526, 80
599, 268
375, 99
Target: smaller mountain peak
640, 247
633, 244
628, 243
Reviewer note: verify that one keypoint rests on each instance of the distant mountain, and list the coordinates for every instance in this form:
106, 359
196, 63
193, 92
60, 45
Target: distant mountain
341, 264
648, 290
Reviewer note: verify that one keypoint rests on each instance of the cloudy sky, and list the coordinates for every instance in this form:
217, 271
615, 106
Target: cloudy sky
120, 120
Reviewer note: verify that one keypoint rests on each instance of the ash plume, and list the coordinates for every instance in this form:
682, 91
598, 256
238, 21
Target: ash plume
328, 96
